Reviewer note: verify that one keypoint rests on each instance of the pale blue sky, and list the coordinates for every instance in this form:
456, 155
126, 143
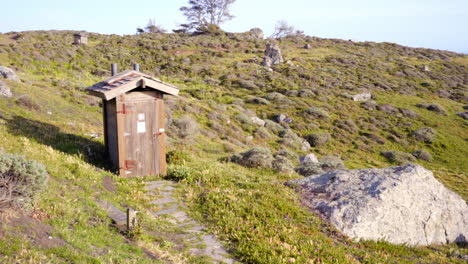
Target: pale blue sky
438, 24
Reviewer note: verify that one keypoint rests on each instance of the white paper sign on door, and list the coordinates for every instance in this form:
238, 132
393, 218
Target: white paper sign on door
141, 127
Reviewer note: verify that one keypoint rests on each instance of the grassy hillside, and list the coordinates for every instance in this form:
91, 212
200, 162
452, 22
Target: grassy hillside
51, 119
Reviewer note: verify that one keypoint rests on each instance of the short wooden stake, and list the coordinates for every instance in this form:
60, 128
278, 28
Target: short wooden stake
131, 219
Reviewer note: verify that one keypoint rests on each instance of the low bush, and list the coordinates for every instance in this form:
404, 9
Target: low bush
21, 181
179, 173
177, 157
315, 112
282, 164
433, 107
184, 127
422, 154
318, 139
257, 157
425, 134
331, 163
398, 157
309, 168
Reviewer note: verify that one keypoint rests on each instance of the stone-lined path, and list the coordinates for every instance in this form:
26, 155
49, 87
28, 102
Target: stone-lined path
171, 209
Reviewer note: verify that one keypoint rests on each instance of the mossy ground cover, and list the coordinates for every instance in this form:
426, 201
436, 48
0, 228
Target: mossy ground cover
260, 219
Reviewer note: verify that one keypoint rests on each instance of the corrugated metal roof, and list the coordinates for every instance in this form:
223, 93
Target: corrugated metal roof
126, 78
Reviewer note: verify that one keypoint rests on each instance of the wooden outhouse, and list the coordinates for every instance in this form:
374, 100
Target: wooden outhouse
80, 38
133, 112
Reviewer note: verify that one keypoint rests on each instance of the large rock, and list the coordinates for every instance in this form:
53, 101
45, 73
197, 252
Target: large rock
8, 74
5, 90
272, 55
401, 205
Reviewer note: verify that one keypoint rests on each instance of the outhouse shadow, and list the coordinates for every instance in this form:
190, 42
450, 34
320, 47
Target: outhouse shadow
93, 152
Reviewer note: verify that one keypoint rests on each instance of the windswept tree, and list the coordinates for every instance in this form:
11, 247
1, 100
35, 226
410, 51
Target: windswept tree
151, 27
283, 29
205, 13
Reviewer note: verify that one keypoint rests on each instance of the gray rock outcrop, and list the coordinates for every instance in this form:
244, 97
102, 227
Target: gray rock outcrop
5, 90
8, 74
272, 55
401, 205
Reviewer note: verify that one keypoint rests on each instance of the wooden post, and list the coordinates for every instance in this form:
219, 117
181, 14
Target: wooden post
136, 67
114, 69
131, 219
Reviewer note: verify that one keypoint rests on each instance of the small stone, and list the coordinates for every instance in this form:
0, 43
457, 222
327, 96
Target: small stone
307, 46
281, 118
308, 158
258, 121
5, 90
463, 115
362, 97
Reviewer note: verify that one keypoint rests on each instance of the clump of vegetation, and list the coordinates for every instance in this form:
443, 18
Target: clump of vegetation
282, 164
309, 168
21, 181
258, 157
434, 107
316, 112
398, 157
331, 163
326, 163
25, 101
177, 157
185, 127
179, 173
318, 139
425, 134
422, 154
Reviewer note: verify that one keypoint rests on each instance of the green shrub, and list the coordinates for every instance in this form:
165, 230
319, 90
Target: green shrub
257, 157
309, 168
315, 112
177, 157
398, 157
282, 164
184, 128
422, 154
331, 163
425, 134
21, 181
179, 173
318, 139
434, 107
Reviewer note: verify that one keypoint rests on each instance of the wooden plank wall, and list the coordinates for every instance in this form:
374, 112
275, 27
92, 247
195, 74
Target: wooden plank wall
121, 134
161, 136
111, 132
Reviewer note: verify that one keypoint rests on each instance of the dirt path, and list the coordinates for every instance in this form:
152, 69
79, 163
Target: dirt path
168, 207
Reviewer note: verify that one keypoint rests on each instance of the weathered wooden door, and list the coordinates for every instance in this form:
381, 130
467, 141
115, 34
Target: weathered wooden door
142, 123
